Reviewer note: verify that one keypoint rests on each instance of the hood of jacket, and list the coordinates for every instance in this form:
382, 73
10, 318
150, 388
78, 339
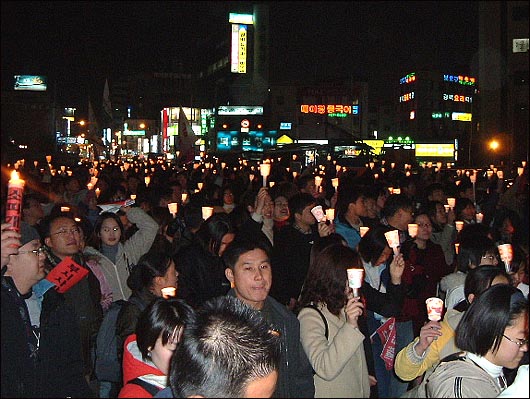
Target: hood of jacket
134, 366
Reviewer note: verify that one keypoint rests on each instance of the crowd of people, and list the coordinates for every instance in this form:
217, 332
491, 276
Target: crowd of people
259, 301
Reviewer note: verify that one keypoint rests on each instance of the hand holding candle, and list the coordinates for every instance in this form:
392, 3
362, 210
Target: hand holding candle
435, 307
355, 280
15, 191
392, 237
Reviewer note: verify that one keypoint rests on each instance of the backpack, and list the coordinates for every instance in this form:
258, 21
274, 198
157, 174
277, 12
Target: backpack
108, 366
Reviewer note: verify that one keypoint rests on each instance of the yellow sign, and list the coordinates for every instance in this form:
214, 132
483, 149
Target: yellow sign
284, 140
376, 144
242, 55
435, 150
461, 116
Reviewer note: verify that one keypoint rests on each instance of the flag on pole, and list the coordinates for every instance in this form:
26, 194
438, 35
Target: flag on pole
387, 334
186, 138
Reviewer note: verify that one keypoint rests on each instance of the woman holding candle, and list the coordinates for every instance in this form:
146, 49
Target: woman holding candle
443, 229
116, 254
425, 266
338, 358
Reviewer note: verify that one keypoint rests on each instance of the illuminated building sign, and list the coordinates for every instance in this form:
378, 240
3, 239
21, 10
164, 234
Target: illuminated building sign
463, 80
134, 132
326, 109
520, 45
461, 116
235, 18
250, 141
457, 98
411, 77
238, 53
239, 110
376, 145
406, 97
285, 125
440, 115
435, 150
30, 82
412, 115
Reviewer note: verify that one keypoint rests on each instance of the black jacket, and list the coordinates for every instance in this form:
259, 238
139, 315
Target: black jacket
201, 275
57, 370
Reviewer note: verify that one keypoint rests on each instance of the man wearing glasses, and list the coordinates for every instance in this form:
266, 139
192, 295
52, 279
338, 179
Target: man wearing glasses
41, 355
62, 237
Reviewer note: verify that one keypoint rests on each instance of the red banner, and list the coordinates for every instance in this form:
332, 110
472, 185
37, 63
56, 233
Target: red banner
66, 274
387, 333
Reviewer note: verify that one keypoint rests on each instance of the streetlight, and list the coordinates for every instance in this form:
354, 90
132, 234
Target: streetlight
494, 145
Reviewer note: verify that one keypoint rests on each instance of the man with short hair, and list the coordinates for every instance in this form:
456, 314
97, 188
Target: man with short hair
41, 354
397, 214
249, 272
228, 350
62, 237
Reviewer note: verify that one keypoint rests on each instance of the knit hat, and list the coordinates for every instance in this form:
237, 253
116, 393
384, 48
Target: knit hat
28, 233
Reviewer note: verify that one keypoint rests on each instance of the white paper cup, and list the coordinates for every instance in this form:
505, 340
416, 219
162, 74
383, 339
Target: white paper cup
173, 206
451, 202
435, 308
459, 224
363, 230
355, 280
506, 252
480, 217
169, 292
447, 208
207, 211
413, 229
318, 213
392, 237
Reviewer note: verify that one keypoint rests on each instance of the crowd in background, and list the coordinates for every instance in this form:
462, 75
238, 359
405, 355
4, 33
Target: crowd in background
263, 244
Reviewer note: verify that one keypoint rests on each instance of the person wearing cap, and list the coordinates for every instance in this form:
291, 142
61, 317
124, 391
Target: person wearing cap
42, 354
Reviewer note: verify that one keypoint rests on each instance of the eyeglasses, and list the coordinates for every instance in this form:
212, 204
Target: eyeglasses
38, 251
63, 232
519, 342
109, 229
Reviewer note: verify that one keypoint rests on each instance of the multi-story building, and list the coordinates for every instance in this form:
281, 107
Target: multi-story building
438, 106
503, 78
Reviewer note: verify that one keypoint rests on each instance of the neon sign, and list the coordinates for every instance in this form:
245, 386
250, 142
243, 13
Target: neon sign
326, 109
457, 98
411, 77
238, 54
463, 80
461, 116
406, 97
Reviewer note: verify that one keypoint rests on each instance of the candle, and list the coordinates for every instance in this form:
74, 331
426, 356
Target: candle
265, 170
520, 171
459, 224
199, 185
207, 211
147, 180
451, 202
173, 206
133, 196
330, 214
363, 230
184, 197
447, 208
271, 184
335, 182
48, 158
479, 216
318, 181
457, 248
15, 191
98, 191
413, 229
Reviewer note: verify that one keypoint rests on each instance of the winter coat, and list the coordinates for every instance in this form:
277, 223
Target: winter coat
290, 262
128, 253
134, 366
339, 361
350, 234
201, 275
408, 365
446, 238
58, 368
295, 376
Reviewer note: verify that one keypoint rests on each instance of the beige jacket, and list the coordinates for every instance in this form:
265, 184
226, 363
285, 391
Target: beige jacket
339, 361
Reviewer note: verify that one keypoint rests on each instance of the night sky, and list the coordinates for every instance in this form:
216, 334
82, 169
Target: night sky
80, 43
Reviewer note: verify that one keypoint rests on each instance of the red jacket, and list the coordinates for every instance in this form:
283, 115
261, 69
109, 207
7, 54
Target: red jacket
134, 366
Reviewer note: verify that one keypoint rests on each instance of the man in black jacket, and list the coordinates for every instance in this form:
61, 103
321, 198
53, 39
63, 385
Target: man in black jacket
249, 272
41, 355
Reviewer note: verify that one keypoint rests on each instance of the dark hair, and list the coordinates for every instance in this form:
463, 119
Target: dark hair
430, 209
298, 202
479, 280
211, 233
482, 326
347, 194
95, 239
302, 181
461, 204
471, 251
150, 265
373, 243
160, 319
394, 203
431, 188
45, 224
241, 245
326, 277
324, 242
225, 347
